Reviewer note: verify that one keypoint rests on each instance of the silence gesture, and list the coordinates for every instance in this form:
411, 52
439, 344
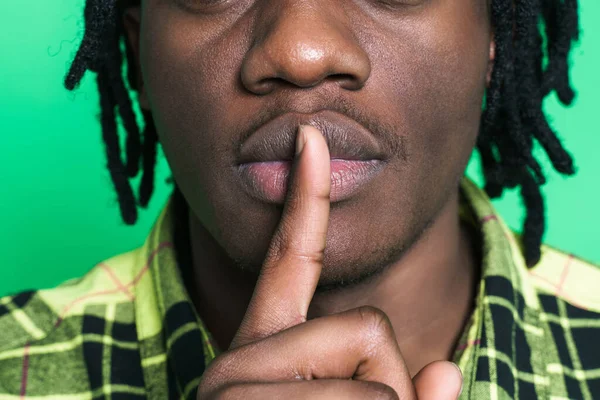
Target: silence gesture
278, 354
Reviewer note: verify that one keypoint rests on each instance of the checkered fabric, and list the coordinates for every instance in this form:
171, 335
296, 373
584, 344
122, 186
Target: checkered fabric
128, 330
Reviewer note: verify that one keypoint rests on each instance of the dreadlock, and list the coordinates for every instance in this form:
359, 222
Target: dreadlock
526, 70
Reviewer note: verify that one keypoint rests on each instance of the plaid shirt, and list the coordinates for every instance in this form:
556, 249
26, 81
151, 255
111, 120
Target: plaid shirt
128, 329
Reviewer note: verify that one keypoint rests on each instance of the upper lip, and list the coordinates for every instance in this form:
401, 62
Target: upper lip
275, 140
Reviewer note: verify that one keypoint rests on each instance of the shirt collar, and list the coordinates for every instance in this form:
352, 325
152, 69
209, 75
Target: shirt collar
501, 249
166, 319
505, 322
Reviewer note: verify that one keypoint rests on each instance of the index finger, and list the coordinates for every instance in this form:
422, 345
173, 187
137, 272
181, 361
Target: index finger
292, 268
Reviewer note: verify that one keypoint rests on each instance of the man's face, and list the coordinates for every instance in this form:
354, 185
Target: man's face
396, 84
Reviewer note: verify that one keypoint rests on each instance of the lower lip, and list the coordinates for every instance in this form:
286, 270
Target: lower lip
268, 181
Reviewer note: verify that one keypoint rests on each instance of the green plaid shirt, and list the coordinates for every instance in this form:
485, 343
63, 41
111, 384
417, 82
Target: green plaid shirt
128, 329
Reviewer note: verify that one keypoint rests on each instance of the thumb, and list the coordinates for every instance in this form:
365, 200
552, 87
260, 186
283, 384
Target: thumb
439, 380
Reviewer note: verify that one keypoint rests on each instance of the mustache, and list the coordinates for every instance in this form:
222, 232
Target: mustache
388, 135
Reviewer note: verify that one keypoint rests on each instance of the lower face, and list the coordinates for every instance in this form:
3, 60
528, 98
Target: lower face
204, 64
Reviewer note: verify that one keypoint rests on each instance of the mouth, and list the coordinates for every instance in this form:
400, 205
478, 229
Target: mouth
268, 181
266, 157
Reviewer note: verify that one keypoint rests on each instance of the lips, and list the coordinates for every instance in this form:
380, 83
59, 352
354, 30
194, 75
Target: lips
275, 141
265, 158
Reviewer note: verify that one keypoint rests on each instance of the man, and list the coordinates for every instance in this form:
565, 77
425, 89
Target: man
321, 241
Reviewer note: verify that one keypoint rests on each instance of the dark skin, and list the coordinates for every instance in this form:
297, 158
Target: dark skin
287, 282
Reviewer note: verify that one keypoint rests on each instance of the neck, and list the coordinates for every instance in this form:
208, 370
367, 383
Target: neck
428, 294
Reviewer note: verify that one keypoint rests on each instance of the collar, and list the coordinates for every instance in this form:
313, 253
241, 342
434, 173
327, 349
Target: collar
502, 253
166, 319
505, 328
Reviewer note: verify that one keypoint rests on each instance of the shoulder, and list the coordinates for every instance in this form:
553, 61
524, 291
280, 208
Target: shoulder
43, 333
569, 278
568, 290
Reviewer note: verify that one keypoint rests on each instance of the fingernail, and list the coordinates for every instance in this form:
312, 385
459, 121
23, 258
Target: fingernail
461, 379
300, 139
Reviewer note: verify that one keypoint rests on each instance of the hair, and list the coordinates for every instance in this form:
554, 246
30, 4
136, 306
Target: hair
527, 69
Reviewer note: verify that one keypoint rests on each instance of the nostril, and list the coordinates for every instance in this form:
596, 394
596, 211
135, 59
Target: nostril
264, 86
267, 85
347, 81
265, 70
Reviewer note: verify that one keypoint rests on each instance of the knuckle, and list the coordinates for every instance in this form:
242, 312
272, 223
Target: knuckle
322, 193
375, 322
219, 372
312, 255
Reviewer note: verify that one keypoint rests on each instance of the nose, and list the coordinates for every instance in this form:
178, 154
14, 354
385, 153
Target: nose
304, 43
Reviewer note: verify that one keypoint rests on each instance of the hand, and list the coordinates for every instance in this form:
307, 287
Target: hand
278, 354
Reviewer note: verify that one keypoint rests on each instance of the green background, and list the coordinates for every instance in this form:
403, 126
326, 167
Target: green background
58, 214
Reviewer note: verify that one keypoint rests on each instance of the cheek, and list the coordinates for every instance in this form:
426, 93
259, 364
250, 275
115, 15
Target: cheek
192, 81
189, 80
439, 80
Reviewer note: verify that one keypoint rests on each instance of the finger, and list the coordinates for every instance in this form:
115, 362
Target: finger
292, 268
326, 389
440, 380
358, 344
